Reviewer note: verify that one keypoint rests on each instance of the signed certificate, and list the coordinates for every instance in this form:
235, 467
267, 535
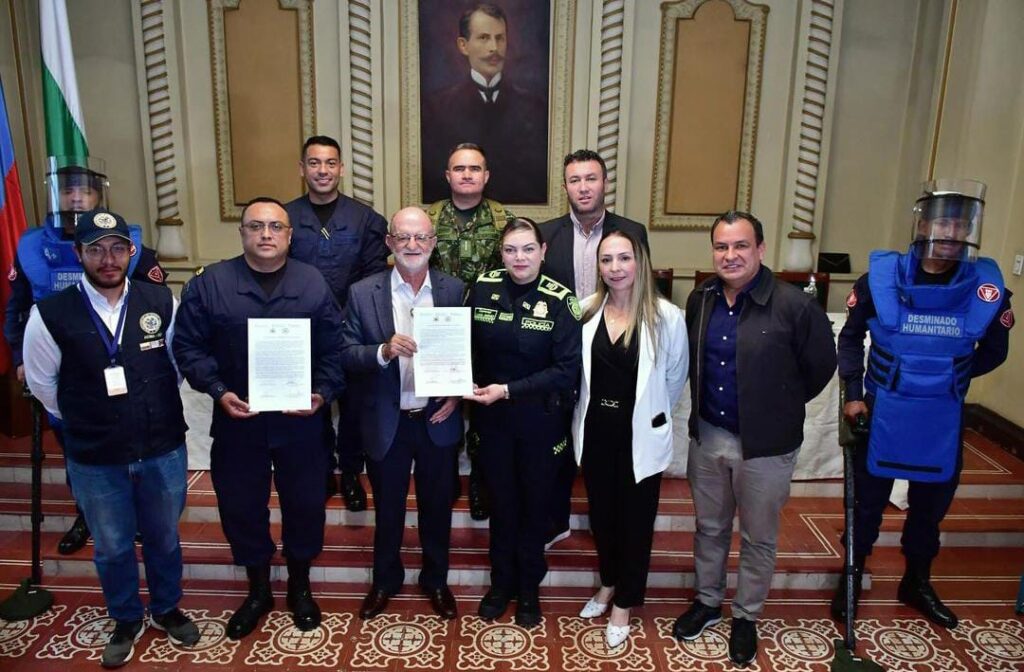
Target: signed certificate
280, 364
442, 366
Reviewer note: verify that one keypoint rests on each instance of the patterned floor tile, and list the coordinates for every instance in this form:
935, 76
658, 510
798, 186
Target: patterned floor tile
584, 647
996, 645
213, 648
907, 644
83, 635
416, 641
708, 652
281, 643
501, 645
800, 645
16, 637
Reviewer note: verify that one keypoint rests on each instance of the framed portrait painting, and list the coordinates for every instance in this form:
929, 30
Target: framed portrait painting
495, 74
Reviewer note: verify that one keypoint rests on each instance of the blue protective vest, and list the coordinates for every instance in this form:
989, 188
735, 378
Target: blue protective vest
919, 366
49, 262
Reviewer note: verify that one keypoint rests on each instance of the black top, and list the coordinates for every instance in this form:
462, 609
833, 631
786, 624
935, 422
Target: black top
613, 370
268, 282
324, 211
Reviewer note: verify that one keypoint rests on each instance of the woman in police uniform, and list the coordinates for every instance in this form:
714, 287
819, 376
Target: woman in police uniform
526, 365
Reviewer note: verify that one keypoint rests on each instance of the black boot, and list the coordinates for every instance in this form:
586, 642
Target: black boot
76, 536
916, 591
479, 504
839, 599
305, 612
257, 603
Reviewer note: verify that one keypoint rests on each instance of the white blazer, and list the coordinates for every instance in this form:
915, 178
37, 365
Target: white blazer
659, 384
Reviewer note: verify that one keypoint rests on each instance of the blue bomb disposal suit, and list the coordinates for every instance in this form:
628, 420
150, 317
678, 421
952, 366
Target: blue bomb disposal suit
528, 337
939, 316
211, 349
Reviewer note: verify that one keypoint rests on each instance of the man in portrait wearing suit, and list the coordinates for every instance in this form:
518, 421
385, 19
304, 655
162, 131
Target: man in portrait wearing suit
398, 427
488, 108
571, 259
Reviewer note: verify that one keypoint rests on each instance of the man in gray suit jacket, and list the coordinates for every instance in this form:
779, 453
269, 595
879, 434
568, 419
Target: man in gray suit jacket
399, 428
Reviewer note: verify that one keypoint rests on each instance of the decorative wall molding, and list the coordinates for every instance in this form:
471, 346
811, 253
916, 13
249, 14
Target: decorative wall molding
810, 132
163, 143
360, 26
218, 64
609, 98
671, 13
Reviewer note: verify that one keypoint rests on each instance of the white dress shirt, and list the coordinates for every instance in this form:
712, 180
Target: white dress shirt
584, 255
480, 80
403, 302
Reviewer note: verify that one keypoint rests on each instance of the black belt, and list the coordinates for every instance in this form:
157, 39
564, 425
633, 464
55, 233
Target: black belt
413, 413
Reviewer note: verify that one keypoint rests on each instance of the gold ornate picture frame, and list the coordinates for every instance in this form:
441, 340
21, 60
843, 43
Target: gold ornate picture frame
661, 217
562, 27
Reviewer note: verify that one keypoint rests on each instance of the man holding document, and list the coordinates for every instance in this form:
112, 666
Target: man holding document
259, 333
405, 350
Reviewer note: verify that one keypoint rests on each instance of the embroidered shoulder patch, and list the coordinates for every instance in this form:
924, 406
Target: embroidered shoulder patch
851, 299
156, 274
1006, 319
989, 293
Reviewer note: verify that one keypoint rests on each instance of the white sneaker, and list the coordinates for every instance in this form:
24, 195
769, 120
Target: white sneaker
593, 609
615, 635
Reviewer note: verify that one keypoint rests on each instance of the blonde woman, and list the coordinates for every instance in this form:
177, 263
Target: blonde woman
635, 359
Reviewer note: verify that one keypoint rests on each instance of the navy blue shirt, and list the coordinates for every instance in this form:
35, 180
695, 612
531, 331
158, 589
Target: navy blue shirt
719, 399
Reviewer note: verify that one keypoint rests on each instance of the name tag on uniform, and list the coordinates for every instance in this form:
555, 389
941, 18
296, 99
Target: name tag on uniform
116, 383
149, 345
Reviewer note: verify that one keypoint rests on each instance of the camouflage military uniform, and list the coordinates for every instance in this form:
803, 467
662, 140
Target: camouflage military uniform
468, 250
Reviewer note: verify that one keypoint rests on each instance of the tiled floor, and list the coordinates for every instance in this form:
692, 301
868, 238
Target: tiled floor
977, 574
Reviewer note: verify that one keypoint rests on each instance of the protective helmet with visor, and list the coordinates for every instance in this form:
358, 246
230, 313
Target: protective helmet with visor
947, 220
74, 184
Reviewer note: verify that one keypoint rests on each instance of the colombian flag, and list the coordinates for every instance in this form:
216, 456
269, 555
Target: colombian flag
12, 218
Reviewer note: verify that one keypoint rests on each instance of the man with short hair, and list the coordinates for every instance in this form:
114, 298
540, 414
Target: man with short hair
468, 227
344, 239
97, 357
211, 348
46, 263
759, 351
488, 108
401, 428
571, 259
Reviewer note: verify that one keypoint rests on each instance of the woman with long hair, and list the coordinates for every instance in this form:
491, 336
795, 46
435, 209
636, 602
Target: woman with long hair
635, 361
526, 365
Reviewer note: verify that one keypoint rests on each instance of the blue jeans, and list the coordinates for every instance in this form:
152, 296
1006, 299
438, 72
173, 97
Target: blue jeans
146, 496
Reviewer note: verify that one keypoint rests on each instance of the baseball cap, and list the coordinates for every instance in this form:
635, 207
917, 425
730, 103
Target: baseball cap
100, 223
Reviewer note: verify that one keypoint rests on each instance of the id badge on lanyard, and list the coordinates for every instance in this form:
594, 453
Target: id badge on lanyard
117, 383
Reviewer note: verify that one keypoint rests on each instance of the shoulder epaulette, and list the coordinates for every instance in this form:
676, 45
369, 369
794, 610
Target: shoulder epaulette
492, 276
498, 214
434, 211
552, 288
199, 270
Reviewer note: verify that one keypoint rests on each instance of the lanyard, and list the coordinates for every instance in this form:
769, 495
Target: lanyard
111, 344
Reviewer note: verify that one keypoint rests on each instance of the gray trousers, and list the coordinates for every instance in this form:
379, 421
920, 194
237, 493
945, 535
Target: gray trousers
721, 480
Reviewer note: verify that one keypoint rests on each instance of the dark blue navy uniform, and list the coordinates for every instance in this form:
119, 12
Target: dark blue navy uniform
530, 339
928, 501
210, 347
348, 248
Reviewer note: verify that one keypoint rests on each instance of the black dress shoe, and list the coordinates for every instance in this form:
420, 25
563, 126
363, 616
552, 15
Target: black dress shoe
479, 507
373, 603
743, 641
331, 486
528, 610
245, 619
74, 539
695, 620
305, 611
443, 602
494, 604
917, 592
352, 491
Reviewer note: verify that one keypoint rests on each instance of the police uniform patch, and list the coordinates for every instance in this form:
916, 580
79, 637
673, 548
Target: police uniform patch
156, 274
150, 323
505, 317
532, 324
540, 309
574, 306
851, 299
1006, 319
485, 315
104, 220
12, 274
495, 297
989, 293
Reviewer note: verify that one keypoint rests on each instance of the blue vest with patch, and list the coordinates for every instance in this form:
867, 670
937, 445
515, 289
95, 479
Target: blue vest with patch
49, 262
919, 366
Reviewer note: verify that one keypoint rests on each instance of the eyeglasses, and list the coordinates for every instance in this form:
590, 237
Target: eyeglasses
97, 252
405, 238
258, 227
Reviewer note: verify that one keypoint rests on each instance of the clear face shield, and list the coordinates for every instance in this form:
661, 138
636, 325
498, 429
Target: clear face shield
74, 184
947, 220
